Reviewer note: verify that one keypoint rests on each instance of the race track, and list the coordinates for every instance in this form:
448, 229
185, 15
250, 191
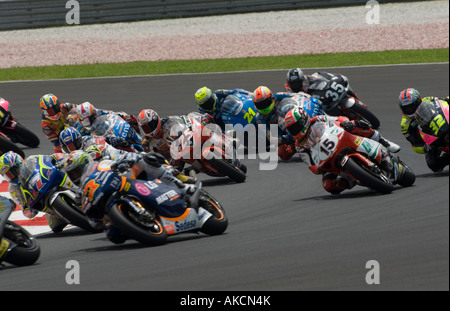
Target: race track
285, 233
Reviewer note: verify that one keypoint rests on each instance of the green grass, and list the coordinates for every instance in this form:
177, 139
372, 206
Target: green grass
224, 65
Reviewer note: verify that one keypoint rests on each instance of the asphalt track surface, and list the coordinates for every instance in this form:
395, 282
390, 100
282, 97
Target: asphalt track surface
285, 232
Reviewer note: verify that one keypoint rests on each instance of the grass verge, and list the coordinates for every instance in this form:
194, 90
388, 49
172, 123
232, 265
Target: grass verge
225, 65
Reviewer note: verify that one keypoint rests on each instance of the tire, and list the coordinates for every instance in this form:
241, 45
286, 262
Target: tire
367, 178
366, 114
23, 135
218, 222
122, 219
27, 251
408, 178
6, 145
65, 207
229, 170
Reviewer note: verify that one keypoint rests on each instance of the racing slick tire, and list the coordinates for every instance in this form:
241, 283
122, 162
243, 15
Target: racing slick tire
27, 250
218, 222
227, 169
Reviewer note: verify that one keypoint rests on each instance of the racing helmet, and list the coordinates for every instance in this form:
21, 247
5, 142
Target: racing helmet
50, 106
295, 80
264, 100
87, 114
409, 100
149, 123
206, 99
75, 165
297, 123
10, 164
70, 139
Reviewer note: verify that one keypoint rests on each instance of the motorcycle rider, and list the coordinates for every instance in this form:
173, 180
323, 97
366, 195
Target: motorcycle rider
209, 102
298, 124
141, 166
314, 85
14, 169
87, 113
409, 100
55, 117
286, 148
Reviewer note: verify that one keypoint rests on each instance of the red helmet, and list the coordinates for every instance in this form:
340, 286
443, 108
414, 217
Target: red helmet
297, 122
149, 123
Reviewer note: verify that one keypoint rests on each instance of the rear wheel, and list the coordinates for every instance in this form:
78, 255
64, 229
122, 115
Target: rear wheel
375, 180
27, 251
227, 169
365, 114
218, 222
145, 228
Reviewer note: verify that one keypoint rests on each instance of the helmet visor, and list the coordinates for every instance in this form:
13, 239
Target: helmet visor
265, 106
12, 174
149, 127
209, 105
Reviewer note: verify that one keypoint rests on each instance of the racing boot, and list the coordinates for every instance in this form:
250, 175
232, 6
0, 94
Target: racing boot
390, 146
56, 223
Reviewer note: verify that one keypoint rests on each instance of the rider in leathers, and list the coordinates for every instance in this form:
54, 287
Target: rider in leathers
331, 182
409, 100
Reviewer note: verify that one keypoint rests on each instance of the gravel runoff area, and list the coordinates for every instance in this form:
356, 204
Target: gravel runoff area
415, 25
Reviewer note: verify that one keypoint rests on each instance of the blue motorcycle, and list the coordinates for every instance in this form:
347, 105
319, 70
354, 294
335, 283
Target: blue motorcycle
17, 245
112, 125
49, 190
239, 112
148, 210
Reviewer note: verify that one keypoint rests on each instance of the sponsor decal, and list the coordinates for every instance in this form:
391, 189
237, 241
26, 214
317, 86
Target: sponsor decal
142, 189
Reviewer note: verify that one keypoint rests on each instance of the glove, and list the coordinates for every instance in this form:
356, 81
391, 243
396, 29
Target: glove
363, 124
348, 126
117, 142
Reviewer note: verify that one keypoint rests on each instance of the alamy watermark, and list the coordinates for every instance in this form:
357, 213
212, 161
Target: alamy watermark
373, 13
73, 15
373, 275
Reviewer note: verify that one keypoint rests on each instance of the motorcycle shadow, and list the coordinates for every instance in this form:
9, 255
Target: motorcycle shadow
353, 194
132, 244
68, 232
433, 175
216, 181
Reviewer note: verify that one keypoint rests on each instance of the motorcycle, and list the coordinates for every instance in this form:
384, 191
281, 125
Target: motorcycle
339, 99
7, 145
337, 151
433, 119
148, 211
49, 190
15, 131
207, 151
17, 245
113, 125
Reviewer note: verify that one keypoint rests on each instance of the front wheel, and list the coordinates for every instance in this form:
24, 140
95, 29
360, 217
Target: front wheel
368, 177
144, 228
67, 208
23, 135
218, 222
27, 250
7, 145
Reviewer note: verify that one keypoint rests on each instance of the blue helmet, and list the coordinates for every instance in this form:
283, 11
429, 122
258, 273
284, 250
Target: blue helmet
70, 139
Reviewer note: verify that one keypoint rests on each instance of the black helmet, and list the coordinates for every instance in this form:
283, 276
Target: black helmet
295, 79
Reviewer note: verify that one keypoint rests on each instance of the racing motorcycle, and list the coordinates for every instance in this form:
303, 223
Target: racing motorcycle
339, 99
112, 125
337, 151
12, 129
148, 210
433, 119
208, 151
17, 245
49, 190
7, 145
